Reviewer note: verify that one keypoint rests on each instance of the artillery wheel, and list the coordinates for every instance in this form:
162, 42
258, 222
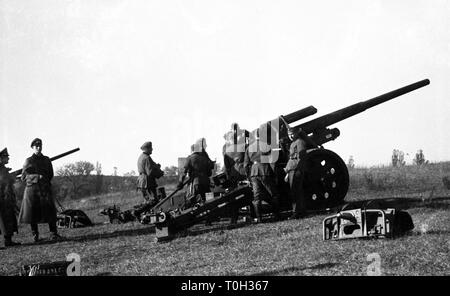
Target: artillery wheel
326, 179
162, 217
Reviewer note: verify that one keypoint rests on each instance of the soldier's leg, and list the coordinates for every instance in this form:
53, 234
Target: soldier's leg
145, 194
35, 231
199, 193
9, 242
9, 234
273, 199
204, 188
298, 200
153, 195
10, 226
258, 193
53, 229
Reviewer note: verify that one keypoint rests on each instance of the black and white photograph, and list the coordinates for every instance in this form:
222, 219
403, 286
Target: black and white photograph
224, 144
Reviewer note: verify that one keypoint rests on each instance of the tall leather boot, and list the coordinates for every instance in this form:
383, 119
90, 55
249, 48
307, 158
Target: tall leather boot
54, 236
9, 242
276, 208
257, 209
35, 232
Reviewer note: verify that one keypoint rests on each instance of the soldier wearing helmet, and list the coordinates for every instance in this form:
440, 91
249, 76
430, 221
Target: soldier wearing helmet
198, 167
234, 153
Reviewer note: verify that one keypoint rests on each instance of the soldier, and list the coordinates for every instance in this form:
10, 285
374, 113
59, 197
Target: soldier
234, 153
262, 176
148, 171
8, 220
199, 167
294, 174
38, 204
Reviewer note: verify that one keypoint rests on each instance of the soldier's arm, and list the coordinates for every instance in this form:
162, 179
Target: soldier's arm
27, 174
147, 166
50, 167
155, 169
301, 148
185, 172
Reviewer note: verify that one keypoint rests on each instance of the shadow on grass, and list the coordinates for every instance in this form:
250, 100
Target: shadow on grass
207, 229
294, 269
89, 237
442, 202
430, 232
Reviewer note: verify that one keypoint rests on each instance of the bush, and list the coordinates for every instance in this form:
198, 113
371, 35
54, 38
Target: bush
408, 179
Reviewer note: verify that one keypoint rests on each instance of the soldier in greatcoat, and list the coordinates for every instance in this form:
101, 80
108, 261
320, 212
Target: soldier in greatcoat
261, 174
8, 219
148, 171
38, 204
198, 167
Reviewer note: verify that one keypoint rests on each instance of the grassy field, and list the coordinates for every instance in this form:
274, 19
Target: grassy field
290, 247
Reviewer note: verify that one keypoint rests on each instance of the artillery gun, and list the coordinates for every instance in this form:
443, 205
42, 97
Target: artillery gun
326, 177
17, 173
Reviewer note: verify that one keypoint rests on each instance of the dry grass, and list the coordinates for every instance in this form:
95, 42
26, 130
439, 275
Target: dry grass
281, 248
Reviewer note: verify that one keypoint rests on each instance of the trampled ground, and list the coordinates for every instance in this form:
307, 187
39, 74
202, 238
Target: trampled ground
291, 247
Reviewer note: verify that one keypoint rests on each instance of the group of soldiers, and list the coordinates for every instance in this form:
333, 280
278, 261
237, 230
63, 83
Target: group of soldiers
38, 204
198, 168
241, 163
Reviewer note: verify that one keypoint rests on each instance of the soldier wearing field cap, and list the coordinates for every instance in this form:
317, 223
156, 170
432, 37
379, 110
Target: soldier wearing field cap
8, 220
148, 171
38, 204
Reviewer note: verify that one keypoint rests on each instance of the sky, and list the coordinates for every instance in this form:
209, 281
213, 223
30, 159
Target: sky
108, 75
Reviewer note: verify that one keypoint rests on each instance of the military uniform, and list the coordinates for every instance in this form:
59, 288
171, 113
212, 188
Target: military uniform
234, 163
8, 223
148, 171
297, 151
199, 167
262, 177
38, 204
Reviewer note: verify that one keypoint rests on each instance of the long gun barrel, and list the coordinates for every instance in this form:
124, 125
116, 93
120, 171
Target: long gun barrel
17, 173
339, 115
299, 114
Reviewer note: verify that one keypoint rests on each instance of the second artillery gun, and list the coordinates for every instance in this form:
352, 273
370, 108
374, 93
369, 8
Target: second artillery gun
326, 177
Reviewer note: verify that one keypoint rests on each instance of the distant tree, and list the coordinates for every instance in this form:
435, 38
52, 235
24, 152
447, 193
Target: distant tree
419, 159
130, 174
115, 171
98, 178
76, 174
170, 171
398, 158
401, 158
98, 168
351, 162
